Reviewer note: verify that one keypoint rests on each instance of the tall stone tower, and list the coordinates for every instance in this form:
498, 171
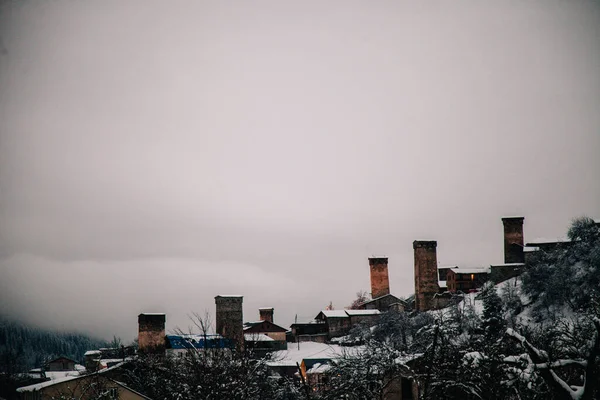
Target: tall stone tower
513, 240
380, 281
266, 313
230, 318
151, 332
426, 277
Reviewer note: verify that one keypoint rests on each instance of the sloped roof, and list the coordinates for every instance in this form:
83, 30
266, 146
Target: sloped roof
471, 271
508, 265
262, 326
310, 362
345, 313
538, 241
331, 314
42, 385
381, 297
353, 313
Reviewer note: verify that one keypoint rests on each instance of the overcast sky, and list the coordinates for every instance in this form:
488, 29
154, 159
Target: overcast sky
156, 154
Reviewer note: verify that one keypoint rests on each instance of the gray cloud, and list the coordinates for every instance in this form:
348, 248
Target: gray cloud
164, 154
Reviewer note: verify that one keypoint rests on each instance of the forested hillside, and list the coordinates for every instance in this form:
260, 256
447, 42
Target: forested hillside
23, 347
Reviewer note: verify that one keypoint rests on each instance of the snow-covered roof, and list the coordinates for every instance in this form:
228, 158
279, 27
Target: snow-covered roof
447, 266
362, 312
471, 271
252, 323
335, 313
93, 353
381, 297
55, 375
318, 368
52, 382
542, 240
508, 265
42, 385
442, 284
153, 313
257, 337
294, 355
312, 321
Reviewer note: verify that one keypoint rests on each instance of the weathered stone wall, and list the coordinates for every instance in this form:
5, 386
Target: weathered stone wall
230, 318
319, 338
151, 333
380, 282
364, 319
513, 240
426, 277
338, 326
266, 314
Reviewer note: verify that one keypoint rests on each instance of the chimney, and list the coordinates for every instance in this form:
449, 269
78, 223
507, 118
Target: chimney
151, 333
513, 240
426, 276
266, 314
380, 282
230, 318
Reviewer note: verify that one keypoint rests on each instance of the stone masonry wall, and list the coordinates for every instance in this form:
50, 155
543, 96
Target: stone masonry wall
151, 333
426, 277
380, 282
513, 240
266, 314
230, 318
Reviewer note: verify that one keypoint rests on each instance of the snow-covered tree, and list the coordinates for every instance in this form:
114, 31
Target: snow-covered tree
361, 297
564, 287
208, 373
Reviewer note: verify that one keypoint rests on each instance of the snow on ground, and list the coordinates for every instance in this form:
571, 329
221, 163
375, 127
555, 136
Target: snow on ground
296, 352
471, 300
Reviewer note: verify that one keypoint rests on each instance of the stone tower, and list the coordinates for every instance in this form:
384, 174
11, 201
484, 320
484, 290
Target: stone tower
426, 276
513, 240
380, 281
151, 332
266, 314
230, 318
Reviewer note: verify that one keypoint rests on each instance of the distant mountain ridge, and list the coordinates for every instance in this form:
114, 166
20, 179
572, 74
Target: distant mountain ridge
24, 347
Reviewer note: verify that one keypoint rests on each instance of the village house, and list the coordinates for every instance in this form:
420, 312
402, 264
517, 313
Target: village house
58, 368
466, 279
311, 331
339, 322
86, 386
61, 364
265, 335
384, 303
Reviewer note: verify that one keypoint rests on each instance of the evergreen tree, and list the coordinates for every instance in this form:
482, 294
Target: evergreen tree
492, 321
